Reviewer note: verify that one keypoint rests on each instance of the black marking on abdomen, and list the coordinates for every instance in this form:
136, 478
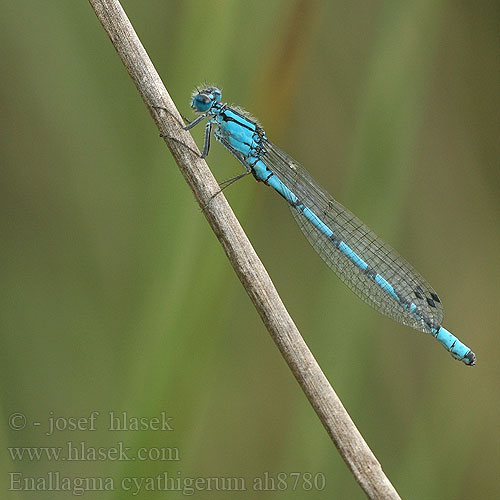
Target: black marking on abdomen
268, 177
335, 241
371, 273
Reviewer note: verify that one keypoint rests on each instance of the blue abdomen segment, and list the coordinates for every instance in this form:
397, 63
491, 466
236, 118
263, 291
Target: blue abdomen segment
457, 349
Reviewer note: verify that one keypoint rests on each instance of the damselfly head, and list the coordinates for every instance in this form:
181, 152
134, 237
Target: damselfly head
203, 99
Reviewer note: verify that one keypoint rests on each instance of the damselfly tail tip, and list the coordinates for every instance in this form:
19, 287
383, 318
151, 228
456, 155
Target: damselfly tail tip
470, 359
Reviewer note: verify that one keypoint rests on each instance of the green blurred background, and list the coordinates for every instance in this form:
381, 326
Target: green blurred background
116, 296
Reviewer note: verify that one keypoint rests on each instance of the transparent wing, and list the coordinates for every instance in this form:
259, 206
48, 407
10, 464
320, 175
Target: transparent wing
414, 303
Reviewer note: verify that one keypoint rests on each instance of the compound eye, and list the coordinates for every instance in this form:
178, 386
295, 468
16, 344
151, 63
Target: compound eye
201, 102
217, 94
203, 99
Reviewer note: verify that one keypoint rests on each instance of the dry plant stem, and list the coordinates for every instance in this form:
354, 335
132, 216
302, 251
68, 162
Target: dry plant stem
354, 450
